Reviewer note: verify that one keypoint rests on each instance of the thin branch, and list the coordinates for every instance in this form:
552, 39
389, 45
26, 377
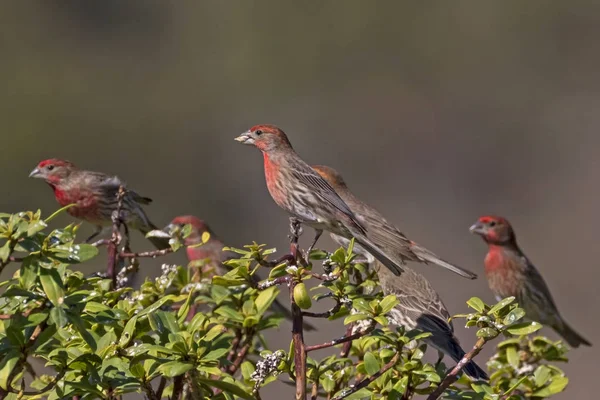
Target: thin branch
326, 314
315, 391
297, 323
101, 242
343, 339
241, 355
177, 387
161, 387
115, 239
147, 254
453, 375
367, 381
272, 282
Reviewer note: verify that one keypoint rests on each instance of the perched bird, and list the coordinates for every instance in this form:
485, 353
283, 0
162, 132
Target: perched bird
421, 307
95, 197
303, 193
213, 254
385, 236
510, 273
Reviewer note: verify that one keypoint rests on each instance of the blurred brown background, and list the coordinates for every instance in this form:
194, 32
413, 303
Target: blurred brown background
435, 112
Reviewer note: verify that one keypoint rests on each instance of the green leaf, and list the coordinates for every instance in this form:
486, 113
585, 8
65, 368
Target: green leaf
5, 251
128, 332
183, 311
7, 364
372, 365
477, 304
80, 327
542, 375
524, 328
512, 356
265, 299
53, 285
28, 272
487, 333
175, 368
514, 316
58, 316
156, 305
277, 271
388, 303
557, 385
355, 317
247, 369
501, 304
361, 394
227, 387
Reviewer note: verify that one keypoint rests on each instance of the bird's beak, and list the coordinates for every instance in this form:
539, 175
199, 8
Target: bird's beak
35, 173
245, 138
477, 228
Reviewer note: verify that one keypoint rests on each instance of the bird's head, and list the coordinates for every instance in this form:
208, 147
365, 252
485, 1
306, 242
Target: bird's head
494, 230
52, 170
199, 227
266, 137
331, 176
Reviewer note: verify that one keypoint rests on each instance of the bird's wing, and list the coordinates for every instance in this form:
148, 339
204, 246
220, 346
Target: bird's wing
110, 186
539, 298
325, 191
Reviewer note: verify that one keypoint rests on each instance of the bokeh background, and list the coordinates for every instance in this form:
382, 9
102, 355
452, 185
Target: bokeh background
435, 112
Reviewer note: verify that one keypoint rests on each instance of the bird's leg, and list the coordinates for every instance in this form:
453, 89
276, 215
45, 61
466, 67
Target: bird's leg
93, 235
295, 232
318, 233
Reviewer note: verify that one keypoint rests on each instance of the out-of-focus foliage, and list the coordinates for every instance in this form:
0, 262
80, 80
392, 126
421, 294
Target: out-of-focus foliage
177, 337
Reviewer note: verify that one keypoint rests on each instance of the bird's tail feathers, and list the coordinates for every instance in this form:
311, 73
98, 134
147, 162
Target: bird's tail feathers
570, 335
392, 264
430, 257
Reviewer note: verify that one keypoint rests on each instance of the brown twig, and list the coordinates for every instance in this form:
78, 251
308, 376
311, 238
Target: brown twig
453, 375
297, 323
367, 381
273, 282
147, 254
343, 339
331, 312
177, 387
241, 356
161, 387
315, 391
115, 239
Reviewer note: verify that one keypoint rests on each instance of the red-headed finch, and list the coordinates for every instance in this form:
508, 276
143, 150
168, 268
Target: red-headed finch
211, 252
303, 193
95, 197
510, 273
421, 307
385, 236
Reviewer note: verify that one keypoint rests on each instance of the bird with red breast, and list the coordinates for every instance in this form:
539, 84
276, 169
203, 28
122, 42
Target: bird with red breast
94, 197
510, 273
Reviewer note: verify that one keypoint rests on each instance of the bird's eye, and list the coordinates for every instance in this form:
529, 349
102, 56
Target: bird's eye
50, 167
258, 132
492, 224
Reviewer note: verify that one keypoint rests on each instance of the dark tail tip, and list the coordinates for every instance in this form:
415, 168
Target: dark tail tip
474, 371
571, 336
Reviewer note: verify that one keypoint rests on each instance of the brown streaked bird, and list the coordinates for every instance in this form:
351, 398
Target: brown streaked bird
94, 195
421, 307
299, 190
381, 232
510, 273
213, 254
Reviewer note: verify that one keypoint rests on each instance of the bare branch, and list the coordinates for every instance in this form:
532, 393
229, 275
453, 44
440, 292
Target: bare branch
343, 339
453, 375
367, 381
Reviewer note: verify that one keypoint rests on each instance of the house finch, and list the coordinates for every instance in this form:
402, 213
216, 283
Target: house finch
303, 193
510, 273
95, 197
386, 236
212, 252
421, 307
